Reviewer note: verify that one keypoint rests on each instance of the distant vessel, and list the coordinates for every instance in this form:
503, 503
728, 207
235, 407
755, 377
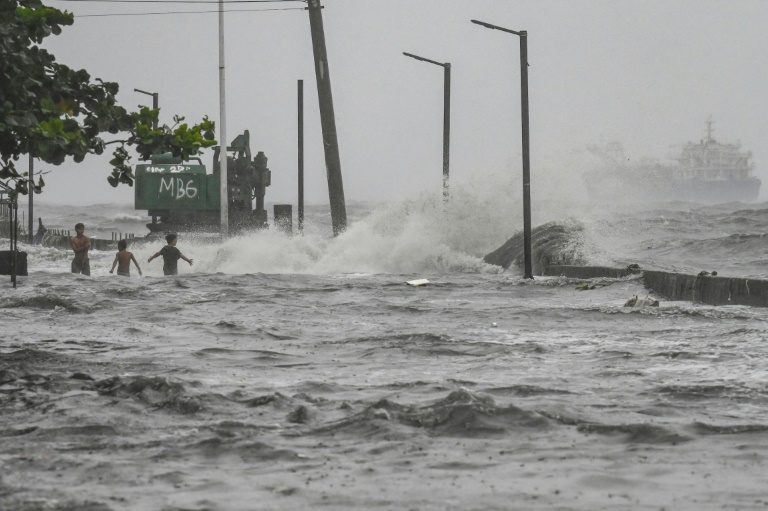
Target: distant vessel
708, 171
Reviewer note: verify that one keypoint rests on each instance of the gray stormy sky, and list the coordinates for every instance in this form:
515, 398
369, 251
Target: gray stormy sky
646, 73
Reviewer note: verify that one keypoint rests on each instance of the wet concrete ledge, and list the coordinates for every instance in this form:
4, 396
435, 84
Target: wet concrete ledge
712, 290
64, 242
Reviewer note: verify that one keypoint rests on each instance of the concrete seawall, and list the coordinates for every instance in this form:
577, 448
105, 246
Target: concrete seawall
712, 290
63, 242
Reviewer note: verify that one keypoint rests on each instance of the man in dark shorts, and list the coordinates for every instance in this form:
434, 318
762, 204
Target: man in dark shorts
171, 256
80, 244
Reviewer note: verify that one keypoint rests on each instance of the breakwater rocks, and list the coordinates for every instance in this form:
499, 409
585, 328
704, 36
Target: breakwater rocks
554, 243
555, 251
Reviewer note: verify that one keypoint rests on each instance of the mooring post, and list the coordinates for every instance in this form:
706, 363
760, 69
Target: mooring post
327, 120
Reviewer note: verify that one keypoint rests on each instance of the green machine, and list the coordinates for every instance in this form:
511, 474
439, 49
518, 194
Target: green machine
182, 196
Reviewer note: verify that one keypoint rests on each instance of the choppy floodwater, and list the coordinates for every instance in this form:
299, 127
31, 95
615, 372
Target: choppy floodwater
266, 377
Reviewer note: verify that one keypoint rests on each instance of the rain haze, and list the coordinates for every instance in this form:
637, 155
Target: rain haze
646, 74
289, 372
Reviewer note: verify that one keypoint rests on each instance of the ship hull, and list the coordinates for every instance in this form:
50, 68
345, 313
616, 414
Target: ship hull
612, 189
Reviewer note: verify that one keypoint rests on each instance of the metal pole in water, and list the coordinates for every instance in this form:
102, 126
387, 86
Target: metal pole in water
446, 115
223, 129
31, 197
446, 126
528, 272
14, 239
523, 34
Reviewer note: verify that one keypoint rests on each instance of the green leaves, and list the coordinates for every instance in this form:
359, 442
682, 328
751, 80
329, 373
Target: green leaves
54, 112
181, 140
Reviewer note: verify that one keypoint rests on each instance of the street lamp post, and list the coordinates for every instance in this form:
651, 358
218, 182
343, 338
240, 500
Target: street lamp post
300, 97
154, 103
528, 272
446, 116
223, 158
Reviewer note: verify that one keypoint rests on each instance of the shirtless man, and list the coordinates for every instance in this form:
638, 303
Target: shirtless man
81, 244
123, 260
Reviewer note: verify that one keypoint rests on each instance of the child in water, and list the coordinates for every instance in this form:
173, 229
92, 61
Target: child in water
123, 260
171, 256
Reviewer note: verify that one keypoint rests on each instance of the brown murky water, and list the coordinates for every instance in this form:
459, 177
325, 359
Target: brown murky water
290, 392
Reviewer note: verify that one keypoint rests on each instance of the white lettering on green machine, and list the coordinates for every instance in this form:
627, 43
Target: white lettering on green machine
177, 188
151, 169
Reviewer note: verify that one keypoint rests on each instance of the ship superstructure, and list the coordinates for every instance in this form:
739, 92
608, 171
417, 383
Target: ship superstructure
708, 171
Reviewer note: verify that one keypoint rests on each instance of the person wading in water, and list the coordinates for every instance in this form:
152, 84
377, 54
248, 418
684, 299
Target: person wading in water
123, 260
171, 256
81, 244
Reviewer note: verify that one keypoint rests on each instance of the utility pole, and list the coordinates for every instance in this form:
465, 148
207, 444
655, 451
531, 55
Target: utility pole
301, 154
327, 119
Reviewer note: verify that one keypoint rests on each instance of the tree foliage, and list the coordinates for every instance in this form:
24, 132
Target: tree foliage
53, 112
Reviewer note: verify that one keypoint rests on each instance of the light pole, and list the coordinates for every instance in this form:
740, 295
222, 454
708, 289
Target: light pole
223, 158
528, 272
31, 198
154, 103
446, 116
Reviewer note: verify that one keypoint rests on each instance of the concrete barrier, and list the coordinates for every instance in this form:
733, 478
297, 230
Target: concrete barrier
708, 289
589, 272
712, 290
62, 241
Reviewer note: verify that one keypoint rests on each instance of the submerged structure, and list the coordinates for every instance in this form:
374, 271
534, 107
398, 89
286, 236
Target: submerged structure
708, 171
184, 197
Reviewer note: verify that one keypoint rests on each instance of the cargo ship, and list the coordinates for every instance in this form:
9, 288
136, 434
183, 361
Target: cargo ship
708, 171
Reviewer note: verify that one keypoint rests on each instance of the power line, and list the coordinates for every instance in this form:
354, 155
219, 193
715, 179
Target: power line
185, 12
184, 1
